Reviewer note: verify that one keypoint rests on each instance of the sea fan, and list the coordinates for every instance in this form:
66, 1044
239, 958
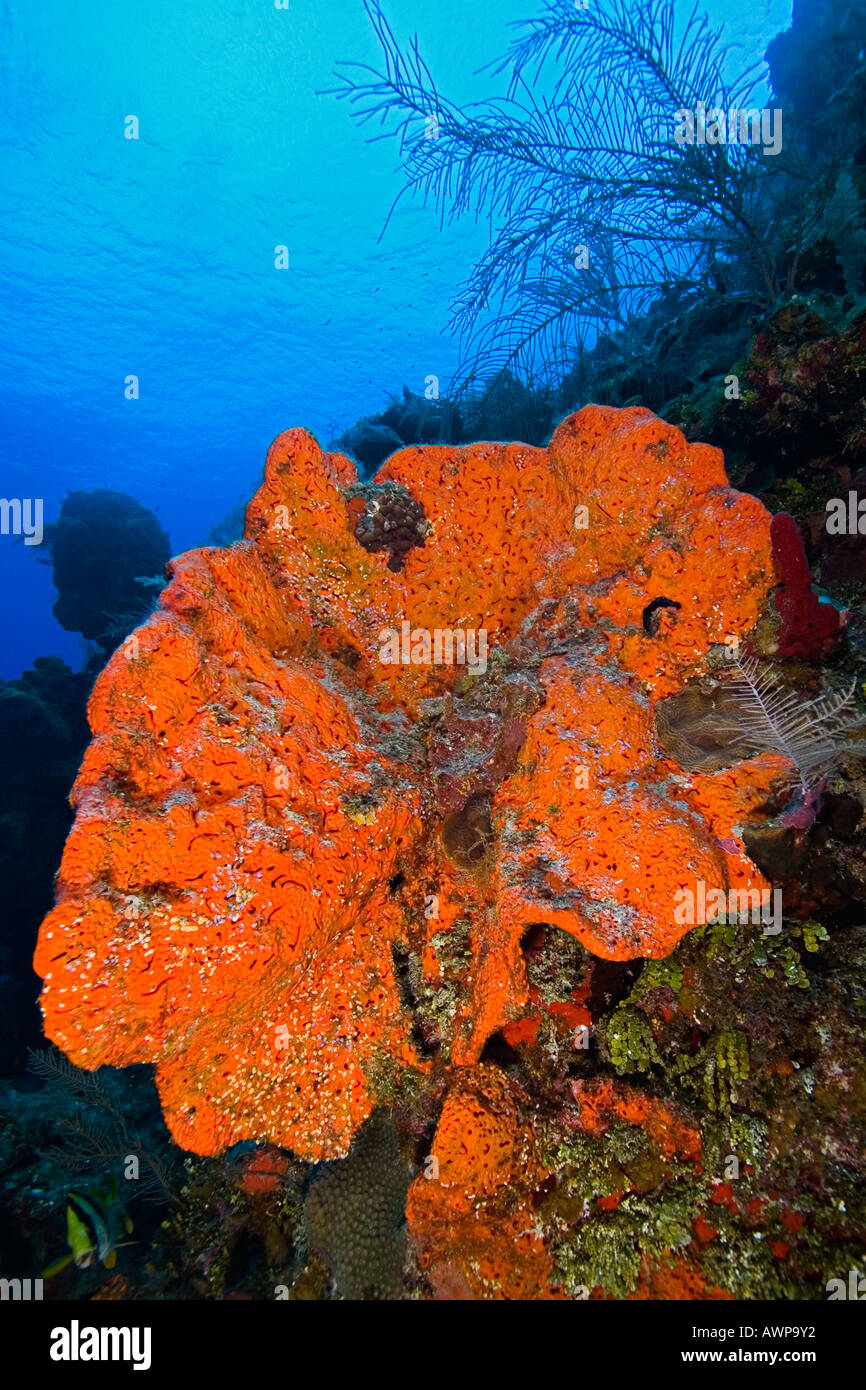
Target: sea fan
768, 717
579, 156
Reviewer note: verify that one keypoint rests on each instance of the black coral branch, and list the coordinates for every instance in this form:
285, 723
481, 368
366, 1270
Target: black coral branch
92, 1127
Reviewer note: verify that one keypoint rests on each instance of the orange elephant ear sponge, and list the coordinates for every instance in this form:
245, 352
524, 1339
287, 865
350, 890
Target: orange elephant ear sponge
435, 688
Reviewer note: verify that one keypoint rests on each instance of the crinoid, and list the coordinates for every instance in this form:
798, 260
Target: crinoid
765, 715
119, 623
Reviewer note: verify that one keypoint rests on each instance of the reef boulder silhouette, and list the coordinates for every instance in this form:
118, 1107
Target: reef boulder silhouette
107, 552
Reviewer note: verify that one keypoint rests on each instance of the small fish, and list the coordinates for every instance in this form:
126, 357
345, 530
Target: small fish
94, 1222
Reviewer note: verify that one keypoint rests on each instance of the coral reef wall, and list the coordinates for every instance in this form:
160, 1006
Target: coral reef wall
259, 814
413, 800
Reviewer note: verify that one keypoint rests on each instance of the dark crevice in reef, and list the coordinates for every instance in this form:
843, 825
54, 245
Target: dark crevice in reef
349, 656
611, 982
407, 973
500, 1052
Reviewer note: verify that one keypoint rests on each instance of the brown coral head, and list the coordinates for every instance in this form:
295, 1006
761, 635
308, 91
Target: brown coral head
467, 834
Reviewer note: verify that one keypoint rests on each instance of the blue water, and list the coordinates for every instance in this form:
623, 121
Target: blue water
155, 257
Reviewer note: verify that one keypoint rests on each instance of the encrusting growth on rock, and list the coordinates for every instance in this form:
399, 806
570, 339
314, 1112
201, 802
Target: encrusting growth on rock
471, 1213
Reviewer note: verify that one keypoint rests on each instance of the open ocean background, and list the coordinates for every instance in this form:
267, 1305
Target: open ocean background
155, 257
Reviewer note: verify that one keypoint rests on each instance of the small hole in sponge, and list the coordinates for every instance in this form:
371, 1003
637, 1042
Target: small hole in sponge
651, 618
